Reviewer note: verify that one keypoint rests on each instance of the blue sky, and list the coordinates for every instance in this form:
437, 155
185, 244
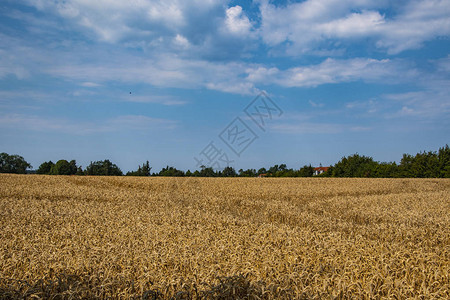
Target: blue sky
160, 80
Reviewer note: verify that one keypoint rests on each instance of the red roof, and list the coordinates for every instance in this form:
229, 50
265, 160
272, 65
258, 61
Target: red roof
321, 169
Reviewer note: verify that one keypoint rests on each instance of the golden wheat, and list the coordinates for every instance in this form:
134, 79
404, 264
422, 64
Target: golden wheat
228, 238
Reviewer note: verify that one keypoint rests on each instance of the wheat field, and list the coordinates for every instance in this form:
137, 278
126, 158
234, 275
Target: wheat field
223, 238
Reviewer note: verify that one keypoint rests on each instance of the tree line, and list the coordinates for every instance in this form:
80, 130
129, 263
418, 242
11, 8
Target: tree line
431, 164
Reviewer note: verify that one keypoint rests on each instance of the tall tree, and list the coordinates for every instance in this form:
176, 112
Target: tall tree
13, 164
141, 171
262, 171
207, 172
444, 161
45, 167
247, 173
63, 167
306, 171
229, 172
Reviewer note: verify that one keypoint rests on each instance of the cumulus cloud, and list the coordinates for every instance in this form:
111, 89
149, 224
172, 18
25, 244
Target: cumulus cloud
212, 30
184, 44
309, 25
418, 22
112, 21
181, 41
237, 22
353, 25
199, 29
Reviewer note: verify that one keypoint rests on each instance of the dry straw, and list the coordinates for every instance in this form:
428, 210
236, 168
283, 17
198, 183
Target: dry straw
230, 238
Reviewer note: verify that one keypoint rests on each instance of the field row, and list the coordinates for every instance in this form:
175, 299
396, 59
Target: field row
255, 238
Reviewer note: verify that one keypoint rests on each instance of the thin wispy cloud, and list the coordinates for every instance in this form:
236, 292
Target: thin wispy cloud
128, 123
164, 100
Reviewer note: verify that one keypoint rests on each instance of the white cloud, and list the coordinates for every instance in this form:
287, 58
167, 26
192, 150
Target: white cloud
304, 25
370, 106
120, 123
430, 103
164, 70
307, 128
244, 88
183, 60
315, 122
114, 21
316, 128
419, 21
210, 28
139, 122
237, 22
10, 66
239, 78
332, 71
193, 29
261, 74
93, 67
90, 84
315, 104
356, 24
316, 24
164, 100
405, 111
181, 41
443, 64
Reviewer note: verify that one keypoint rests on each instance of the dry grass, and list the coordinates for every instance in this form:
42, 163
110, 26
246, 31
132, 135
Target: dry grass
157, 238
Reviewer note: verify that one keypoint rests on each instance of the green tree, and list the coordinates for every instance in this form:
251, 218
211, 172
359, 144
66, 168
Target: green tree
287, 173
13, 164
229, 172
63, 167
171, 171
422, 165
327, 173
80, 171
386, 170
355, 166
103, 168
444, 161
306, 171
262, 171
207, 172
141, 171
407, 166
247, 173
73, 167
273, 170
45, 167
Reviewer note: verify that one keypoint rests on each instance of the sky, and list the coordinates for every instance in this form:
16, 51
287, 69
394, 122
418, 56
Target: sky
247, 84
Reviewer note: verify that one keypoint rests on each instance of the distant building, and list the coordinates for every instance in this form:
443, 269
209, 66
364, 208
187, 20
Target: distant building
320, 170
262, 175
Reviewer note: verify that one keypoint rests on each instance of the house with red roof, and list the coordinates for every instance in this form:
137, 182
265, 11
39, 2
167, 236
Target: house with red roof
320, 170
